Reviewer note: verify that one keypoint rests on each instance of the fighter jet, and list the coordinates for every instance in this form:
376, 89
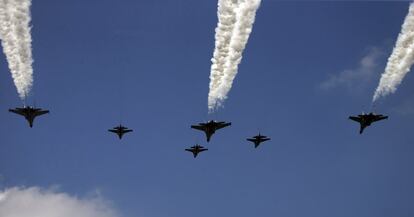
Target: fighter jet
196, 149
30, 113
366, 120
210, 127
120, 130
258, 139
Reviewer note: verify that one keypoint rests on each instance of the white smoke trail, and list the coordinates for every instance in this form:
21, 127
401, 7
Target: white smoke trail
224, 68
401, 59
226, 20
16, 41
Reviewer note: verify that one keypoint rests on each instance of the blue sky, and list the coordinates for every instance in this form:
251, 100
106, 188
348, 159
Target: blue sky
148, 62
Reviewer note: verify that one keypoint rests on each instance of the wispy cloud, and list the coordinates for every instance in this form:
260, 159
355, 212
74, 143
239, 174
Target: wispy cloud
37, 202
355, 79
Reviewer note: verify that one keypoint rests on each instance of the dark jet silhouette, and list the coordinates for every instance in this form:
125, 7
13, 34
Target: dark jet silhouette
30, 113
210, 127
258, 139
120, 130
196, 149
366, 120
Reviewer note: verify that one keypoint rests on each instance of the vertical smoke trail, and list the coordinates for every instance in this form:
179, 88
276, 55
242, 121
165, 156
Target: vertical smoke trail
401, 59
246, 13
224, 31
222, 79
16, 41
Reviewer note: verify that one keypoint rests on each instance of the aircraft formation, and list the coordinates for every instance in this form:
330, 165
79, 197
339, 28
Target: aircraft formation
209, 128
229, 54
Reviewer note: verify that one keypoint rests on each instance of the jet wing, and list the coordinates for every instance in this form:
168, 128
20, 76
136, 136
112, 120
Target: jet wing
198, 127
223, 125
203, 149
127, 131
357, 119
190, 150
251, 140
113, 131
38, 113
266, 139
17, 111
380, 118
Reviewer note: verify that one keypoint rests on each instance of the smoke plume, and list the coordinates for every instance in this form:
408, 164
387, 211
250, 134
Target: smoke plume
16, 41
401, 59
236, 18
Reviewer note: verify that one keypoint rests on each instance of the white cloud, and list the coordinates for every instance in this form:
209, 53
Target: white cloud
37, 202
358, 77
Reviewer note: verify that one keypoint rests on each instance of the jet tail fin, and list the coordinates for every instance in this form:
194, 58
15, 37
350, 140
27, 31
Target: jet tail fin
361, 129
208, 135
